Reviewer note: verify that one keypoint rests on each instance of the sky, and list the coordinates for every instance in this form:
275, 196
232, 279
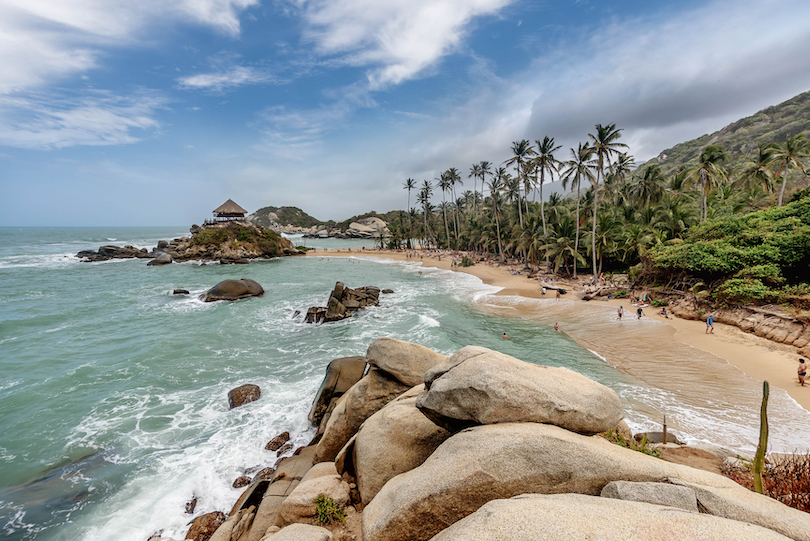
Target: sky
122, 113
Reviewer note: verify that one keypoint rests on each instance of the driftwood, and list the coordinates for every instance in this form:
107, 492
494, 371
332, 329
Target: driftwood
562, 290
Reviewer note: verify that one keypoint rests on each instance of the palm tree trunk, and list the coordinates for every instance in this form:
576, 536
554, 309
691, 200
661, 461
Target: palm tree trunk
784, 183
543, 210
576, 237
593, 229
498, 229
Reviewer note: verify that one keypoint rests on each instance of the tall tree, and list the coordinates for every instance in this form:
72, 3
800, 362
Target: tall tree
757, 170
410, 184
708, 173
545, 162
425, 194
475, 172
496, 185
444, 184
455, 178
650, 187
579, 168
605, 145
789, 153
521, 151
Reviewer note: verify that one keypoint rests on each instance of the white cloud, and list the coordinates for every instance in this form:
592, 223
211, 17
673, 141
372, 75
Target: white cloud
41, 40
99, 119
396, 39
221, 80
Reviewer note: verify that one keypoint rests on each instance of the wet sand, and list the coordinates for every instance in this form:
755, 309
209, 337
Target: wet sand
756, 357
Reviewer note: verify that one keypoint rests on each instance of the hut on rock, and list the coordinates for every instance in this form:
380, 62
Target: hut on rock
227, 212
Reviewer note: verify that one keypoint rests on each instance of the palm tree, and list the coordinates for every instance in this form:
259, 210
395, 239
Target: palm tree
455, 178
486, 171
580, 167
424, 198
410, 184
522, 150
560, 246
495, 187
475, 172
650, 187
757, 170
444, 184
545, 162
709, 173
605, 145
789, 153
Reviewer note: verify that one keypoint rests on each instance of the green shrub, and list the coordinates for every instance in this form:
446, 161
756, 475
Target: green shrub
769, 273
631, 443
659, 303
741, 290
621, 294
327, 510
466, 262
302, 248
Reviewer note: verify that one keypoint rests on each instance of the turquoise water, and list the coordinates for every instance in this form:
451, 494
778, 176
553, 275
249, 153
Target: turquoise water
113, 391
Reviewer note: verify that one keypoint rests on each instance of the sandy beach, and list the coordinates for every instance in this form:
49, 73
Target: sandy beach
757, 357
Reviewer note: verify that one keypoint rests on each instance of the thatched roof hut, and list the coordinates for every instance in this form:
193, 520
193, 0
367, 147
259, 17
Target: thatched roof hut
228, 212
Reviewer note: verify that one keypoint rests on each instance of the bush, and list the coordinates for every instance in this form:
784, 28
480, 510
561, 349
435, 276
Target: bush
466, 262
659, 303
768, 273
741, 290
621, 294
327, 510
640, 446
787, 480
302, 248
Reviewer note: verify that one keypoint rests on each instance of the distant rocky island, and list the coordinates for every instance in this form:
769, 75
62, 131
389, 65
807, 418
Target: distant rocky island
294, 221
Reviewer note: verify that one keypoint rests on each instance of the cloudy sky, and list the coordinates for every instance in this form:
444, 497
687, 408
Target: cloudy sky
114, 112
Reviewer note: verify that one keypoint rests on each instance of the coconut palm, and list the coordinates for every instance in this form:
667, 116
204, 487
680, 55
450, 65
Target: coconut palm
496, 185
522, 150
425, 194
444, 184
650, 187
545, 162
409, 185
579, 168
757, 170
475, 172
560, 245
455, 178
709, 173
789, 153
605, 146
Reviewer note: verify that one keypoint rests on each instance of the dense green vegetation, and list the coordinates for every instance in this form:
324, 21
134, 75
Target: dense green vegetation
724, 230
264, 240
286, 216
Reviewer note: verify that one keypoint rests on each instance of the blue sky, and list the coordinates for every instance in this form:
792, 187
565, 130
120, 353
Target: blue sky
154, 112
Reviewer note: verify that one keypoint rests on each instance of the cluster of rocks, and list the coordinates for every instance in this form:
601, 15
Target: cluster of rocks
366, 228
480, 445
343, 301
184, 249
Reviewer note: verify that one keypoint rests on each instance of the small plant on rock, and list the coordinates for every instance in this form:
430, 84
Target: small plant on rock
327, 510
631, 443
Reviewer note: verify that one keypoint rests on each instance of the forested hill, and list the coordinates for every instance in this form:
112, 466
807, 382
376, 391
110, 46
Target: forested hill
283, 216
772, 125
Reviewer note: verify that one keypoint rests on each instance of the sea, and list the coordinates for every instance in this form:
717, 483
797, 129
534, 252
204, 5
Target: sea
113, 390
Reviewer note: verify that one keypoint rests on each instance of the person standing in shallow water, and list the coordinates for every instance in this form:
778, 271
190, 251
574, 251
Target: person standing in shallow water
620, 311
802, 371
639, 312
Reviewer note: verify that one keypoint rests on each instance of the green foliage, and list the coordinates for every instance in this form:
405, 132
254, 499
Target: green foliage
302, 248
741, 290
769, 273
286, 216
621, 294
631, 443
327, 510
659, 303
466, 262
267, 241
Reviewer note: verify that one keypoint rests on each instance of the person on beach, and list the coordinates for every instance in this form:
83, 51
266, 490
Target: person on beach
558, 294
663, 312
802, 371
710, 324
620, 311
543, 291
505, 336
639, 312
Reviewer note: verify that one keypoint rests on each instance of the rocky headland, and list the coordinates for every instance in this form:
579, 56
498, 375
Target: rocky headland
343, 301
413, 445
228, 242
294, 221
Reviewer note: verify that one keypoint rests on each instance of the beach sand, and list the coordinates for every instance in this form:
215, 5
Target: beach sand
757, 357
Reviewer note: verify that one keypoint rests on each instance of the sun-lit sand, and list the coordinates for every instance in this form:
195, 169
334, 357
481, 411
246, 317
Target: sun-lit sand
757, 357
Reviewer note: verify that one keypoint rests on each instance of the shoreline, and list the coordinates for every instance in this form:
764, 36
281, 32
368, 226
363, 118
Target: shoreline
757, 357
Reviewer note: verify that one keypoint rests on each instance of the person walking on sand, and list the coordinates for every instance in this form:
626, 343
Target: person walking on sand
710, 324
620, 311
802, 371
558, 294
639, 312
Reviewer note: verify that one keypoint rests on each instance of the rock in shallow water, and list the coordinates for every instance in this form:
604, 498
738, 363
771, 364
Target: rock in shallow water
243, 394
232, 290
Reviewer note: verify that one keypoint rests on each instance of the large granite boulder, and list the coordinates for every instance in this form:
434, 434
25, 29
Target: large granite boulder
232, 290
364, 399
565, 517
654, 493
396, 439
300, 532
504, 460
405, 361
341, 374
205, 525
342, 302
300, 504
243, 394
481, 386
161, 258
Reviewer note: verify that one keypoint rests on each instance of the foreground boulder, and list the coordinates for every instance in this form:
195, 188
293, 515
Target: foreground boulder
481, 386
405, 361
300, 504
205, 525
341, 374
565, 517
654, 493
365, 398
243, 394
396, 439
232, 290
300, 532
497, 461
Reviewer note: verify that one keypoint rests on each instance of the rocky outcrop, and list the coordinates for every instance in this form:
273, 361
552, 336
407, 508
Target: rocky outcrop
364, 399
564, 517
300, 504
161, 259
505, 460
205, 525
105, 253
243, 394
371, 228
655, 493
395, 440
405, 361
481, 386
233, 290
300, 532
341, 374
771, 324
276, 443
342, 302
